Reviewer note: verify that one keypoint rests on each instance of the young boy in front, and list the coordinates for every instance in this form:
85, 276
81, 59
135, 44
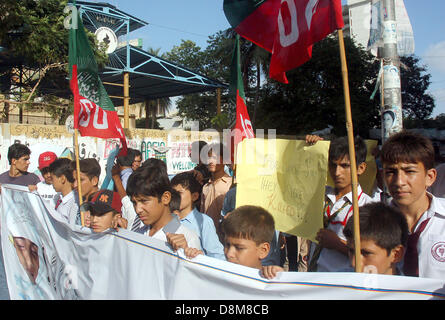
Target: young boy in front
331, 253
248, 232
383, 238
408, 170
150, 192
189, 188
105, 210
67, 200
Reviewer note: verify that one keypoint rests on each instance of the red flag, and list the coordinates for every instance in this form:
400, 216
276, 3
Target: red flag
90, 119
286, 28
243, 127
94, 112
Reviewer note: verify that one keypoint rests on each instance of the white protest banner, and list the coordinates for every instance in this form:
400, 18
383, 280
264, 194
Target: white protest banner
47, 259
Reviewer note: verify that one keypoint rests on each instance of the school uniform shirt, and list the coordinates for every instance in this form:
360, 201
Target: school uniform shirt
431, 244
68, 207
203, 226
212, 197
46, 192
331, 260
128, 212
190, 236
125, 174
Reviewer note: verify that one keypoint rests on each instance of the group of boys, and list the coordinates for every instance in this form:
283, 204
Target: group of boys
195, 211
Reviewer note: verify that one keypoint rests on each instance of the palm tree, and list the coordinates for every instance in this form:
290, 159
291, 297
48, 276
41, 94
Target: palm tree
160, 105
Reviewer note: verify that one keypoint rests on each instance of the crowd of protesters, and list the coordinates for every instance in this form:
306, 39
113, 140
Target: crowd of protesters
402, 223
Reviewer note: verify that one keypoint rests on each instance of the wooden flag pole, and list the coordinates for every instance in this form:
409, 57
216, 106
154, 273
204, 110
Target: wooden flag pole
350, 129
79, 188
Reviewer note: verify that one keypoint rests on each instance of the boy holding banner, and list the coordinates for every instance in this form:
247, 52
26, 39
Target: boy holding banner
189, 188
248, 234
150, 192
408, 170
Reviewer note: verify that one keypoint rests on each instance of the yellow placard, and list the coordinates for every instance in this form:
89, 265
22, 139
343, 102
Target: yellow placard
367, 179
287, 178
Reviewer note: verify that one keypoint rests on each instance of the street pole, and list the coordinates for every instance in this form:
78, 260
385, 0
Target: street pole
392, 117
126, 100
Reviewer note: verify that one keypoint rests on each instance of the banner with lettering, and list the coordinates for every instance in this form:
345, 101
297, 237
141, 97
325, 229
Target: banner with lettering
45, 258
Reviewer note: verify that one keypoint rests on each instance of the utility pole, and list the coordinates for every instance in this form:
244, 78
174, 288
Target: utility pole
392, 117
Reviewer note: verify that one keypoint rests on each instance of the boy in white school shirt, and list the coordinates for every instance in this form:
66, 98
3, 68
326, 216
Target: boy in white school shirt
331, 253
408, 170
150, 192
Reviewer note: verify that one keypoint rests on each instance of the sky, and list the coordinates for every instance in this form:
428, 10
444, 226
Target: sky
170, 21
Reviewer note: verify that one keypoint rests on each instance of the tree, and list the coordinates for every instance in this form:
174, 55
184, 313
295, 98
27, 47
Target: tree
314, 97
202, 106
417, 104
215, 62
35, 38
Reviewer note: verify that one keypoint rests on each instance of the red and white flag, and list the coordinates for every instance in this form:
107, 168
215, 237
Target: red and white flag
286, 28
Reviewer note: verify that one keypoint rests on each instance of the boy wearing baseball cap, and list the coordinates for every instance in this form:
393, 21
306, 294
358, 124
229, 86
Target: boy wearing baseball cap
45, 188
105, 210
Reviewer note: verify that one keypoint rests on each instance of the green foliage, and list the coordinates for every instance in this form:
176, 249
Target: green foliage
188, 55
34, 34
220, 121
214, 62
417, 103
34, 31
314, 97
140, 123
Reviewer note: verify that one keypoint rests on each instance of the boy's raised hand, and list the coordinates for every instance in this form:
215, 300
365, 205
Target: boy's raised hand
176, 240
270, 272
312, 139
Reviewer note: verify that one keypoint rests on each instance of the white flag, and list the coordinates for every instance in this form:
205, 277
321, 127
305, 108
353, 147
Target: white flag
45, 258
405, 35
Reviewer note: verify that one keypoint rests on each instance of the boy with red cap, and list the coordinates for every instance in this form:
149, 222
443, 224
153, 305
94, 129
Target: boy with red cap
45, 188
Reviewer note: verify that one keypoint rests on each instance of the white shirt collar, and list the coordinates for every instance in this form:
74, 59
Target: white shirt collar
330, 194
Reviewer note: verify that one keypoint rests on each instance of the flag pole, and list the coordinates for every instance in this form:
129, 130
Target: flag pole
79, 188
350, 130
